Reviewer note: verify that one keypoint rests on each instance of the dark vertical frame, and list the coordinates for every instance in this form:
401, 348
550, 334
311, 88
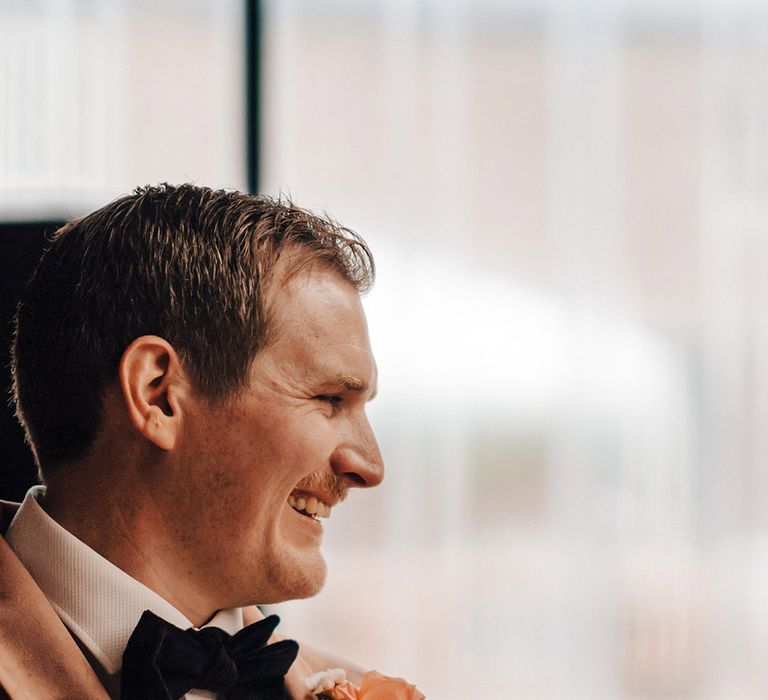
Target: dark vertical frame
253, 29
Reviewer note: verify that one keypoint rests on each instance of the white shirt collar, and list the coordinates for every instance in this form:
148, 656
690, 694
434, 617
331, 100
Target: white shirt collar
99, 602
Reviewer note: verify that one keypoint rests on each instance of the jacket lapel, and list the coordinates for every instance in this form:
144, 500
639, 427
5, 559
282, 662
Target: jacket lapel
38, 657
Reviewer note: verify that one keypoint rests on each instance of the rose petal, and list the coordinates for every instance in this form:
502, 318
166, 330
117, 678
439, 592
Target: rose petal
376, 686
345, 691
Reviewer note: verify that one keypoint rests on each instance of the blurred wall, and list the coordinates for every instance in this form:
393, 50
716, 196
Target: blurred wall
567, 201
99, 97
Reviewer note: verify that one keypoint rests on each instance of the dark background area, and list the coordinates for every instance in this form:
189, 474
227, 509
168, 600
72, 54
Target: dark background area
21, 245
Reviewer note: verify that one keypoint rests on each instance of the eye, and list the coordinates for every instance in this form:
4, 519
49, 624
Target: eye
333, 399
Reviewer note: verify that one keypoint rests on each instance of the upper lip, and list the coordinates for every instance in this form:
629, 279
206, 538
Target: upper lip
319, 495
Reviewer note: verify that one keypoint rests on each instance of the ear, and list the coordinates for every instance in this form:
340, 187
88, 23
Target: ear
153, 384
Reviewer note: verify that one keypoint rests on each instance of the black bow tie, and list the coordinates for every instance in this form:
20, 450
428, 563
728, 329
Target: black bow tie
162, 662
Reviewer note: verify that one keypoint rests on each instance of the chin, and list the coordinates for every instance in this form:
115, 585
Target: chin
295, 580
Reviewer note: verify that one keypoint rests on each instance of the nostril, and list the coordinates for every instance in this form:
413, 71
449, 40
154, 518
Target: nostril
356, 478
359, 467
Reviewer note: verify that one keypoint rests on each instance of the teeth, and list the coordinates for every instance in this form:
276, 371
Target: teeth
310, 505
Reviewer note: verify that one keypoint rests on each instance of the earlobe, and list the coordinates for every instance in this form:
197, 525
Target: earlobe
150, 376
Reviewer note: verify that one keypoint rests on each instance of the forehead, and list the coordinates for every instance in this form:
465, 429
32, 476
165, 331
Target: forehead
319, 326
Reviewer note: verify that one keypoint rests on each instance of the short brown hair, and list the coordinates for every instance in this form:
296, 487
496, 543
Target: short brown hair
186, 263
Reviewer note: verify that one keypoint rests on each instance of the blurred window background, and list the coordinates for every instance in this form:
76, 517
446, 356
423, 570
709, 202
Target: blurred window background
99, 96
567, 202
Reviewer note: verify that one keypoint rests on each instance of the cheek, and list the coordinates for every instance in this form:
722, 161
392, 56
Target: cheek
249, 468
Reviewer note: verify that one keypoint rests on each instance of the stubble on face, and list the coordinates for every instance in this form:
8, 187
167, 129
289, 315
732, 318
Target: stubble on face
273, 438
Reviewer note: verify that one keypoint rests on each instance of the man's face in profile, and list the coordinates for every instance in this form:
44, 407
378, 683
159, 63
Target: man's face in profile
293, 441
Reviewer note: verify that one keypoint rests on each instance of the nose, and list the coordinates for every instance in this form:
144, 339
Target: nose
358, 459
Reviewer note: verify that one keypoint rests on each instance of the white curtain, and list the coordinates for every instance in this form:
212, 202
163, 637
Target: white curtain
99, 97
567, 202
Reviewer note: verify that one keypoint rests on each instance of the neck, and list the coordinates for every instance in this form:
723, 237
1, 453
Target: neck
128, 532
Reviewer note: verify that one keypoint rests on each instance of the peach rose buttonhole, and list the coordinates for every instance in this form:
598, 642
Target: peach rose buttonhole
333, 685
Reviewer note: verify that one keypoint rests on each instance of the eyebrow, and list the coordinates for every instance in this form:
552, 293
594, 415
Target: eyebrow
351, 383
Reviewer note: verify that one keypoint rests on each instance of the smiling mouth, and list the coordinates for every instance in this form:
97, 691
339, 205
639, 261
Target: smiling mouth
309, 506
